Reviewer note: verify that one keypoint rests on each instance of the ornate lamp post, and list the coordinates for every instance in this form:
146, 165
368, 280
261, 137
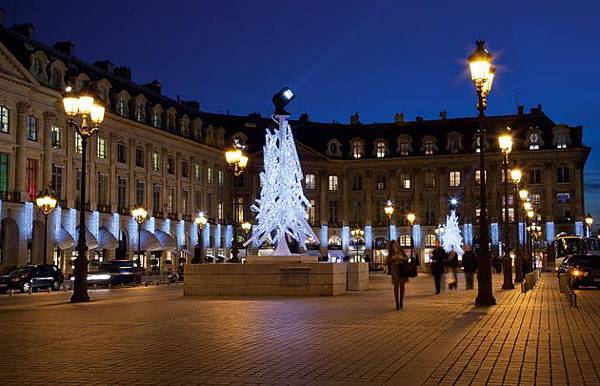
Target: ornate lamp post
589, 221
530, 217
200, 221
482, 75
140, 214
516, 176
237, 162
246, 227
85, 117
389, 212
46, 202
505, 143
411, 217
356, 233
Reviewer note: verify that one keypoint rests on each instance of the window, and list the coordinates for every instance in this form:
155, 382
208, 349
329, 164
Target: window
430, 239
155, 119
140, 112
57, 180
309, 181
357, 149
121, 192
56, 78
311, 212
102, 189
404, 148
102, 92
4, 172
139, 157
32, 177
380, 183
197, 200
4, 120
121, 106
357, 183
140, 192
220, 211
429, 149
535, 176
197, 174
32, 133
404, 181
429, 181
101, 148
78, 144
405, 240
238, 210
185, 169
563, 198
333, 212
56, 137
184, 201
155, 161
209, 175
171, 200
220, 177
380, 149
333, 183
536, 198
121, 153
156, 198
171, 165
478, 177
454, 179
562, 174
534, 141
562, 140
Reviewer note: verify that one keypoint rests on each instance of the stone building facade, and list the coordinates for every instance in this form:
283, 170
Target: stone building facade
167, 155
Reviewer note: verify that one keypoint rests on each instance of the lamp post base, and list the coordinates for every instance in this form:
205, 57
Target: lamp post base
507, 269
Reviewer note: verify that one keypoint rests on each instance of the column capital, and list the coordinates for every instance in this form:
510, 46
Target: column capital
23, 107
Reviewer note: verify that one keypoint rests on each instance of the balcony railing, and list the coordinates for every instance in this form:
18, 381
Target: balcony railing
10, 196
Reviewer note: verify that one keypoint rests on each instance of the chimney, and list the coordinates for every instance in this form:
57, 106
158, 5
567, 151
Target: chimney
2, 16
65, 47
520, 110
123, 72
536, 110
193, 104
419, 119
106, 65
399, 118
354, 119
443, 114
25, 29
154, 86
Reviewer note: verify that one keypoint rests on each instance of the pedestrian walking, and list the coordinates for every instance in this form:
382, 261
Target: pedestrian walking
469, 261
452, 262
438, 259
398, 263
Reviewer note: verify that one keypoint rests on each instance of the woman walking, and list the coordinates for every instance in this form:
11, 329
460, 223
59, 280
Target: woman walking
398, 261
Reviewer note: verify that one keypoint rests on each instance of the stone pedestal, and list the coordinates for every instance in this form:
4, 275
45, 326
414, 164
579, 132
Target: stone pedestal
276, 278
357, 276
255, 259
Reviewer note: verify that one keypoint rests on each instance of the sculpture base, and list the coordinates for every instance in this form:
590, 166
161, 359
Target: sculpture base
254, 259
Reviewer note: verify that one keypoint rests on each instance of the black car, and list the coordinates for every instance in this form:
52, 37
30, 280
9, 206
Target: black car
32, 277
583, 269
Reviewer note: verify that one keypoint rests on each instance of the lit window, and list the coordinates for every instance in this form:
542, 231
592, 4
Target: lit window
333, 183
197, 175
561, 141
121, 106
56, 137
78, 144
380, 149
405, 181
357, 149
478, 177
429, 148
311, 212
309, 181
32, 177
209, 175
220, 177
32, 132
140, 112
404, 148
101, 148
220, 211
454, 178
4, 119
155, 161
534, 141
155, 120
380, 183
430, 240
536, 198
405, 240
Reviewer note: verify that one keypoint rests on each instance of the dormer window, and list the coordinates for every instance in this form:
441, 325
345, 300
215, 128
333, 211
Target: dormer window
56, 78
140, 111
404, 145
155, 119
454, 144
121, 107
561, 137
358, 150
334, 148
429, 147
534, 141
102, 92
380, 149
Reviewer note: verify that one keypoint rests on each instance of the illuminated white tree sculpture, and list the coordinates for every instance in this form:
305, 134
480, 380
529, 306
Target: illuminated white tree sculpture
451, 238
282, 207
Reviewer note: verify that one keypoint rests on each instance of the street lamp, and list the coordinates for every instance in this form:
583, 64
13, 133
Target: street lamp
411, 217
85, 116
356, 234
589, 221
46, 202
482, 75
140, 214
522, 194
389, 212
200, 221
237, 162
505, 142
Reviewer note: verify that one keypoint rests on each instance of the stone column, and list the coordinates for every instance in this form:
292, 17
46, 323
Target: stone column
21, 161
131, 183
112, 179
345, 199
178, 187
323, 196
49, 119
368, 187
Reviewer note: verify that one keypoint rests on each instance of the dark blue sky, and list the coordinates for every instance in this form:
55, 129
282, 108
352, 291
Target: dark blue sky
377, 57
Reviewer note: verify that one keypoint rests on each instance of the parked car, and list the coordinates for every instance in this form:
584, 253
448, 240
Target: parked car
584, 270
114, 272
32, 277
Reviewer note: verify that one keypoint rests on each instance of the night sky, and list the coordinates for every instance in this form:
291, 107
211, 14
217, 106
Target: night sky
374, 57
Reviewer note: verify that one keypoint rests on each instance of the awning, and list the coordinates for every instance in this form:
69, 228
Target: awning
167, 242
148, 242
63, 239
90, 240
106, 240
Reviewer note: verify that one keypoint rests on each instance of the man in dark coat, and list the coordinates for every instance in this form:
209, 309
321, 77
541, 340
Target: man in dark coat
469, 261
438, 259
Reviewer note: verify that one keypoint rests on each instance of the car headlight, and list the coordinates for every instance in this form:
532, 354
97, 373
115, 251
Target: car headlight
99, 276
578, 272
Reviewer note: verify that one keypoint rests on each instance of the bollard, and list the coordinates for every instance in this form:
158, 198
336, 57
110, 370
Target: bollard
157, 283
48, 290
523, 287
109, 286
95, 286
10, 292
30, 290
146, 283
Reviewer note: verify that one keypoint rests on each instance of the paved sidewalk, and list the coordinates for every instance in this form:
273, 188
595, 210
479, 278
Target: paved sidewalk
156, 336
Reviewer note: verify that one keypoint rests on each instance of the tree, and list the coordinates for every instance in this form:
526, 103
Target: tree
282, 206
451, 238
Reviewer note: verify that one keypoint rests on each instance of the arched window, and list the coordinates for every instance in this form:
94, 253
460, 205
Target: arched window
454, 144
102, 92
358, 150
534, 140
429, 147
140, 111
333, 183
121, 107
404, 145
380, 149
155, 119
334, 148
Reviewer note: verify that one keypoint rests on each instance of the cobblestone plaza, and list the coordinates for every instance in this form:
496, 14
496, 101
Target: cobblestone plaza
156, 336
